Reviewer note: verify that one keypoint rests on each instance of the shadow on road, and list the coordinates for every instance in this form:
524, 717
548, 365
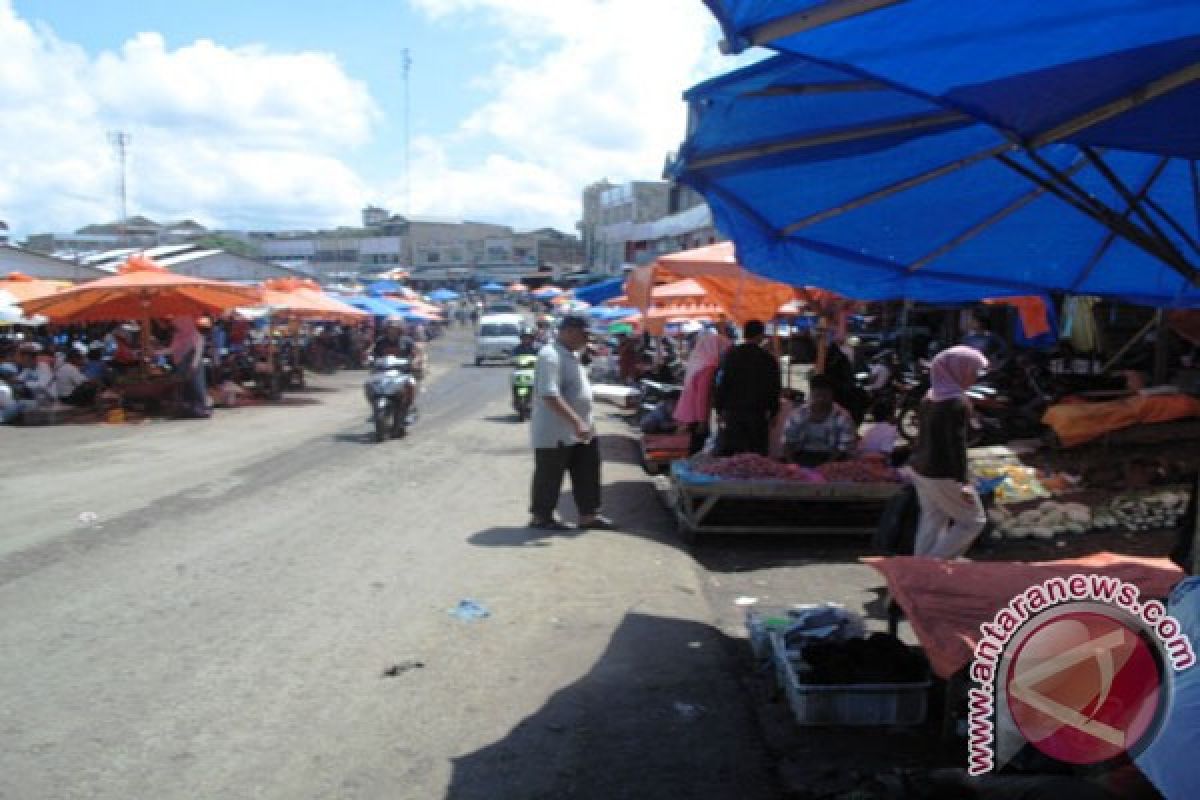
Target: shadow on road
506, 419
660, 716
519, 537
367, 437
292, 402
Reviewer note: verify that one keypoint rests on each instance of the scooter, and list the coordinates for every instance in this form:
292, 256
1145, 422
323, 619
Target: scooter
391, 391
522, 386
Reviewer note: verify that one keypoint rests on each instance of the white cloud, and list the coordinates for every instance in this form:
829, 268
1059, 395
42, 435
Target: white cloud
583, 90
230, 136
247, 137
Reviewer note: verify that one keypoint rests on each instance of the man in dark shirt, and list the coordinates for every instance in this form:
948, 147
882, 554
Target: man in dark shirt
747, 395
528, 345
395, 342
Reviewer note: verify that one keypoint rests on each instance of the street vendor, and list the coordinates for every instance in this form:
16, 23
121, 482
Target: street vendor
124, 354
820, 430
187, 357
747, 394
10, 407
952, 514
35, 380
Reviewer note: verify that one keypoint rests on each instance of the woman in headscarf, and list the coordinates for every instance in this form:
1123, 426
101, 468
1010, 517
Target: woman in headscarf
694, 408
952, 515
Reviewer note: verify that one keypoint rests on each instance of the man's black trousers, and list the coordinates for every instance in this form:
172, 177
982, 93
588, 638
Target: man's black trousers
551, 463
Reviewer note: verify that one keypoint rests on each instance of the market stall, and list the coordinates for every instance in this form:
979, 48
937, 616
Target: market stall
749, 494
142, 291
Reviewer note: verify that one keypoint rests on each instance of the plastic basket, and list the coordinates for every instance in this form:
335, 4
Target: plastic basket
852, 704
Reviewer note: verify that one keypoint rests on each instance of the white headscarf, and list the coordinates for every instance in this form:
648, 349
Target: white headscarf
706, 353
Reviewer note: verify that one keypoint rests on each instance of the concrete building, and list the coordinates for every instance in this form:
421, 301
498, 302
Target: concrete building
589, 225
40, 265
641, 220
137, 231
431, 248
187, 259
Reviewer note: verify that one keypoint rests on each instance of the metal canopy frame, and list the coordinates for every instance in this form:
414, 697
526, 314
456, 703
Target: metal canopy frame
992, 219
1115, 108
818, 16
1140, 222
905, 124
816, 87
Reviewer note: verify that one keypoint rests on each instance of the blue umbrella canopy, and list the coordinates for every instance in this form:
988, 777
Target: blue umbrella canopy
375, 306
600, 292
945, 152
493, 288
442, 295
384, 287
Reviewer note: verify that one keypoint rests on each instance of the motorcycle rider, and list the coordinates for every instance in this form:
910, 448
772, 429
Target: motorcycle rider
528, 345
395, 341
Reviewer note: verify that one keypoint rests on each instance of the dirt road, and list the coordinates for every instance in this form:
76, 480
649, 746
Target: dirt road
223, 625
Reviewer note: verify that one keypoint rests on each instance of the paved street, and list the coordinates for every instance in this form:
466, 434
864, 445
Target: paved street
223, 626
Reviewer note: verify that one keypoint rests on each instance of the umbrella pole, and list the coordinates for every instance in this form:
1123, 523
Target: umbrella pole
146, 333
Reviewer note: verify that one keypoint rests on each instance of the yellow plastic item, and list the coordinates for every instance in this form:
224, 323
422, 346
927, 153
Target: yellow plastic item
115, 417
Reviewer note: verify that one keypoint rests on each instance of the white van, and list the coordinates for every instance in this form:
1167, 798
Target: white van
497, 337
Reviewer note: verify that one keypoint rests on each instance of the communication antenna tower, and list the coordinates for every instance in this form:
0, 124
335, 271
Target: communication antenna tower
406, 64
120, 140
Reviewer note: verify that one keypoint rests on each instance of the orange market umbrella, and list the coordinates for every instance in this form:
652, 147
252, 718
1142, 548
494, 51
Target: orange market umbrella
23, 287
714, 260
142, 290
684, 290
296, 299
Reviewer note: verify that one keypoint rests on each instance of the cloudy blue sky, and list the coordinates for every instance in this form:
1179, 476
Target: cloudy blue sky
273, 114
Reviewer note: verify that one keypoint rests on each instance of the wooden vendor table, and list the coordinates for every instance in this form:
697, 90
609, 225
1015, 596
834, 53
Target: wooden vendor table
163, 389
776, 506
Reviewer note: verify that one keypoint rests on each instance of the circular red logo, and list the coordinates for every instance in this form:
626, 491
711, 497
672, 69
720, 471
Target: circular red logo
1084, 687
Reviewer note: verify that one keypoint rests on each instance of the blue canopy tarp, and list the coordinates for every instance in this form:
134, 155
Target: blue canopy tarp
610, 313
375, 306
930, 150
384, 287
493, 288
442, 295
600, 292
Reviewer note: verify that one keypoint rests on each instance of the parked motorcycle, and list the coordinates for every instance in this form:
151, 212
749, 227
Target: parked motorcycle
908, 389
653, 394
1008, 403
391, 391
522, 386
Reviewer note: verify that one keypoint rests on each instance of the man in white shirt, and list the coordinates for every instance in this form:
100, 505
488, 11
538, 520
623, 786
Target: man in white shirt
10, 408
71, 386
563, 431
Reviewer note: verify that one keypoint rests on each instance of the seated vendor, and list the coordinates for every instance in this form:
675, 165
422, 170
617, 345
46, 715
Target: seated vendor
124, 355
96, 368
10, 406
70, 384
819, 431
35, 381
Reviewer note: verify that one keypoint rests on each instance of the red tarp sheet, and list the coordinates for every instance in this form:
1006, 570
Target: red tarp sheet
947, 601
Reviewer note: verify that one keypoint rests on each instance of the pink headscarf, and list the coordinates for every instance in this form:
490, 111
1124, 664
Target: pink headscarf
953, 371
